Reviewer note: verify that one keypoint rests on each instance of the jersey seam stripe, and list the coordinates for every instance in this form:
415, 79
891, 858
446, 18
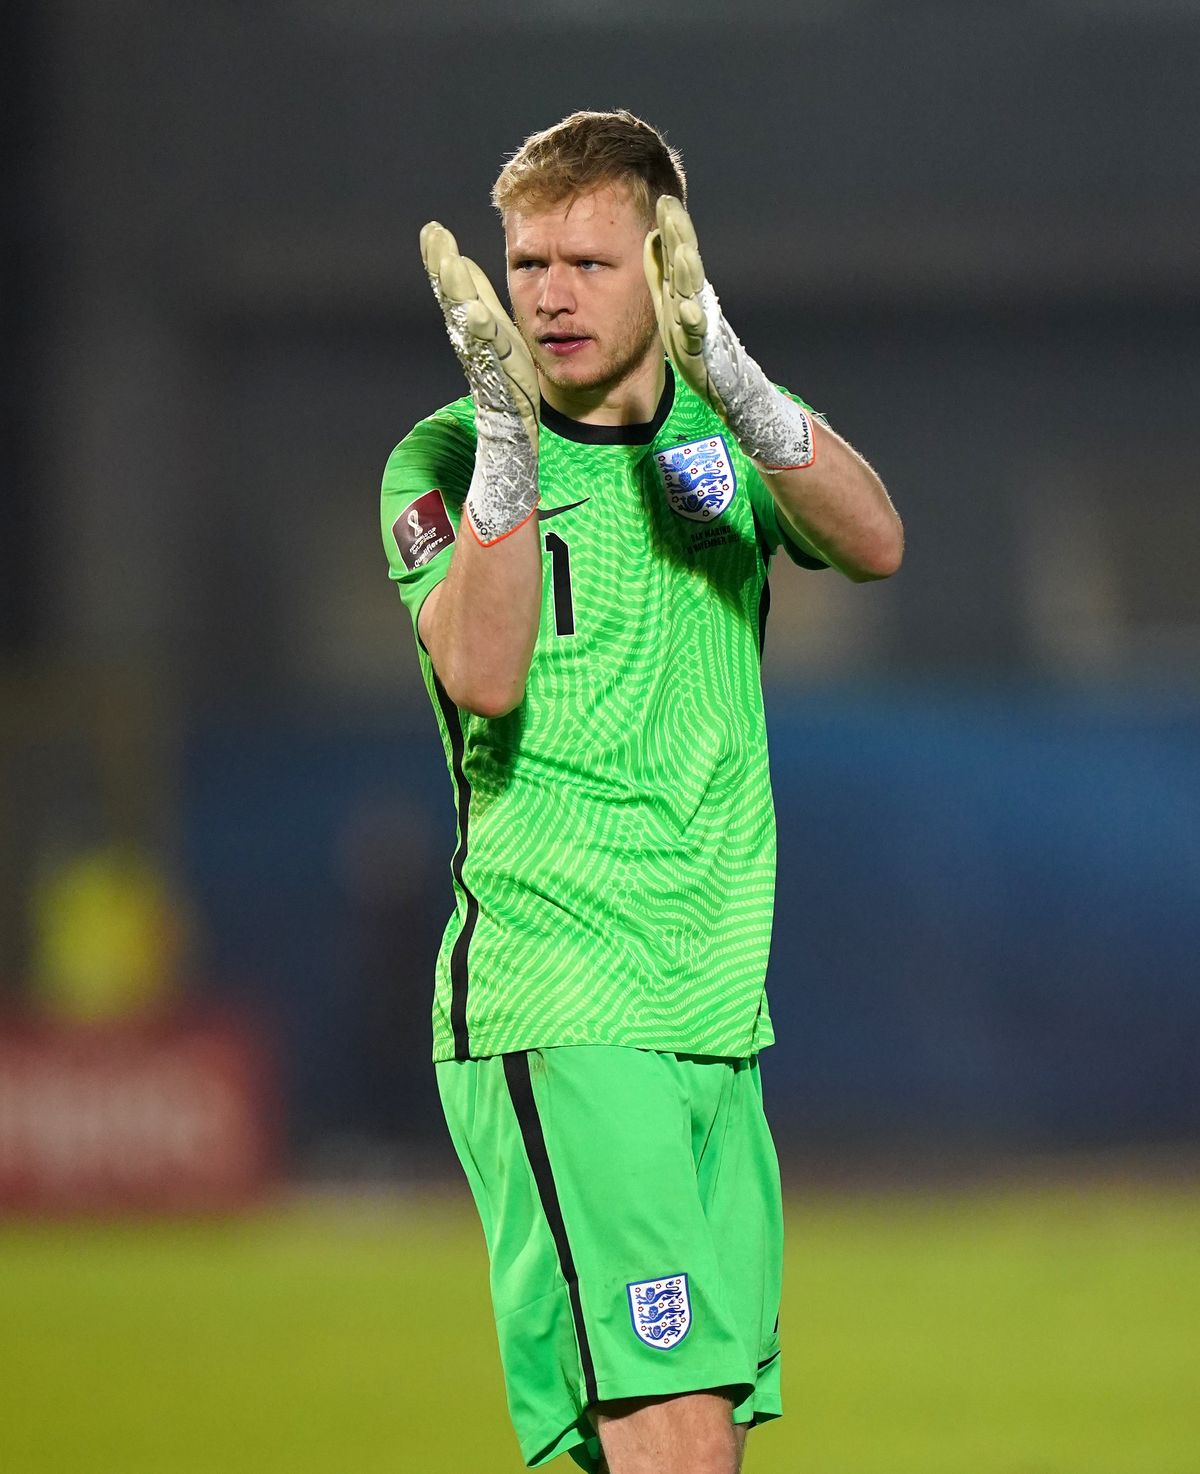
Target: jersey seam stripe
459, 978
798, 555
519, 1079
764, 608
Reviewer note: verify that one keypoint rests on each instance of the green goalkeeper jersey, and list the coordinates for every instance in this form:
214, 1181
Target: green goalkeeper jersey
615, 868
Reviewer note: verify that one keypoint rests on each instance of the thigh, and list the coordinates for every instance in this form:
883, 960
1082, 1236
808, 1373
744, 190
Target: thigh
689, 1434
654, 1307
738, 1175
535, 1326
608, 1278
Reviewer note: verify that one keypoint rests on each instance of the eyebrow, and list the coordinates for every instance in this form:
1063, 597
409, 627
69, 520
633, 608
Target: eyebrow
590, 253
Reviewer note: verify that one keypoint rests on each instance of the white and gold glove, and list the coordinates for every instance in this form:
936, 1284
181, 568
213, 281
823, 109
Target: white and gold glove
768, 426
503, 384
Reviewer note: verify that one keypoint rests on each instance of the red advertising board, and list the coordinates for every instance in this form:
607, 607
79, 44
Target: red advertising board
173, 1115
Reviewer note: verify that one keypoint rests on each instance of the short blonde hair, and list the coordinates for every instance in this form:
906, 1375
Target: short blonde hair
585, 152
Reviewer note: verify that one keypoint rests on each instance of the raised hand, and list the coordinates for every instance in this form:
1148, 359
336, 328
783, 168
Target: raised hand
503, 384
769, 426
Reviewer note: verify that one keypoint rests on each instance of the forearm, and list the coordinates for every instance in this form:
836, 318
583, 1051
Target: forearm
839, 505
823, 488
480, 624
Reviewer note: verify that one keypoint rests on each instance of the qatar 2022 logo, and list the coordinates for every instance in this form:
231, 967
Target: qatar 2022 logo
698, 477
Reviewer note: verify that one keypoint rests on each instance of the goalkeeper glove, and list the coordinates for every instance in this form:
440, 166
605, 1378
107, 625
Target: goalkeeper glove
503, 384
769, 426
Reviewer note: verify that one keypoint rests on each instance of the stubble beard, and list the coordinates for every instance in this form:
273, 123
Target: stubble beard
632, 341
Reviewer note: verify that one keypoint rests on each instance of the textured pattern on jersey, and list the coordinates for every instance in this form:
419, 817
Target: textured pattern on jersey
617, 880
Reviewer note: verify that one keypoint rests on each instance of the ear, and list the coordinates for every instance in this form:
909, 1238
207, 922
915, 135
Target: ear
655, 269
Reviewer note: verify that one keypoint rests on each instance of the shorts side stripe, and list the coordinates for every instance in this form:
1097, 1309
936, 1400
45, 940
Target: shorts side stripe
520, 1089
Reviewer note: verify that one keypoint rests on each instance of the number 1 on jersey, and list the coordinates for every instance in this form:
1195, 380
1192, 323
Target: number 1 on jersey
560, 577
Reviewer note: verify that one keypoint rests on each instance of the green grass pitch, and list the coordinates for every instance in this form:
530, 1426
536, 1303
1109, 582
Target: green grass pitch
1013, 1330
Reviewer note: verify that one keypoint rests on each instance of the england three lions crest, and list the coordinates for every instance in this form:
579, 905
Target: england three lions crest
699, 478
661, 1310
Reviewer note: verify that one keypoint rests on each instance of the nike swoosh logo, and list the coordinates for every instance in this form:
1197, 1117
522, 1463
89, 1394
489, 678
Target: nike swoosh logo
554, 511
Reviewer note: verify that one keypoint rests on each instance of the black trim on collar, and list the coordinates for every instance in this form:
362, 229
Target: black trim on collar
642, 434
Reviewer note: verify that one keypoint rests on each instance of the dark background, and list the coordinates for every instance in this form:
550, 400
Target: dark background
966, 232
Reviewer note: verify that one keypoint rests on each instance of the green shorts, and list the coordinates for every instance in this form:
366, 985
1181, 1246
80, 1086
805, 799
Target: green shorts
632, 1211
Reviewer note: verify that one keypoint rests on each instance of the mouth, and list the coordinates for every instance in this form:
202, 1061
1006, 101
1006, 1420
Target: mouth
562, 345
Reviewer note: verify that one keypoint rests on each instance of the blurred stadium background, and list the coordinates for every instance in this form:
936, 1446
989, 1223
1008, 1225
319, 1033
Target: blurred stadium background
232, 1238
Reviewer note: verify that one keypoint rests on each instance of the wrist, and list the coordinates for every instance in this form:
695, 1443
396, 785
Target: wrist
503, 494
773, 430
490, 541
779, 436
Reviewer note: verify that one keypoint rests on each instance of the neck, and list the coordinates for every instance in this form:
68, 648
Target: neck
630, 401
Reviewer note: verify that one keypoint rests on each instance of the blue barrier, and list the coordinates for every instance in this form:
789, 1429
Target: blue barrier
987, 923
988, 916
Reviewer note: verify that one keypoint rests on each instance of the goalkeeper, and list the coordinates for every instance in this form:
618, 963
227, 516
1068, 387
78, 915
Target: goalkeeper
583, 543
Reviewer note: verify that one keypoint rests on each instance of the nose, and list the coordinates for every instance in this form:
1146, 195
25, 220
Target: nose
557, 295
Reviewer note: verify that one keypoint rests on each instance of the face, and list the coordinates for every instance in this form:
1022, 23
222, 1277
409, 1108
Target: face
578, 289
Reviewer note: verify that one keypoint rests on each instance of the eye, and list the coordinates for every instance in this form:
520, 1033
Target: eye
527, 263
589, 265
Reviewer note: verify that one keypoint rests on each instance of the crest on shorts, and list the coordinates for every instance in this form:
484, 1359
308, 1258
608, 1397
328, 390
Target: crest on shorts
661, 1310
698, 477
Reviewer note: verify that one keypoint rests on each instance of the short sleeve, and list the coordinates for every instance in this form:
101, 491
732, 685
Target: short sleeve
771, 528
425, 485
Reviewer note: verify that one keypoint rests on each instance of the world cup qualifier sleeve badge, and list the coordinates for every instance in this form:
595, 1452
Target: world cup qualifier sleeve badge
661, 1310
698, 478
422, 530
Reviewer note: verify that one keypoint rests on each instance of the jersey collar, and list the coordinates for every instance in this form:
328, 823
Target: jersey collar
642, 434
